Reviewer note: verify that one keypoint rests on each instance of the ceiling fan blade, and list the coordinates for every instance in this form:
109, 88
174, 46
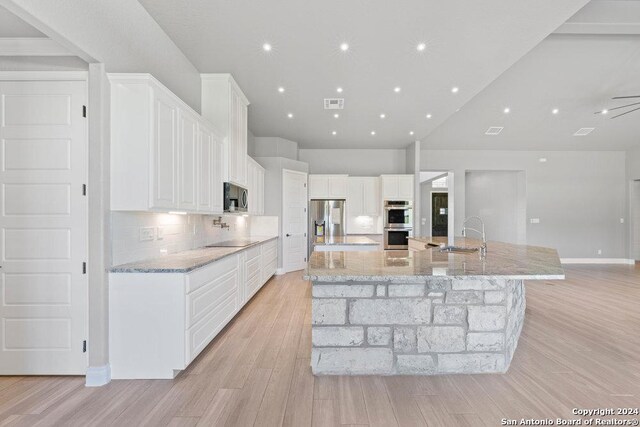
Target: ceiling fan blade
617, 108
627, 112
625, 97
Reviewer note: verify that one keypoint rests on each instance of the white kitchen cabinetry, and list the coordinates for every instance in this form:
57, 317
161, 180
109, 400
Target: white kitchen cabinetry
328, 186
157, 143
363, 196
160, 322
396, 187
255, 181
224, 104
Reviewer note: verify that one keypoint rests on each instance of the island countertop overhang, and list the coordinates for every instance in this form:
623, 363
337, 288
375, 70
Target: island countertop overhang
503, 261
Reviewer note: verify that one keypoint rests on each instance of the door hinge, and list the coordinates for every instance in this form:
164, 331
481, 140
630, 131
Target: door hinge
305, 185
84, 346
84, 111
305, 260
84, 189
84, 268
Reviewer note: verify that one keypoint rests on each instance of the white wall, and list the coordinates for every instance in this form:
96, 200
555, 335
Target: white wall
633, 164
633, 198
356, 162
579, 197
499, 198
120, 34
273, 147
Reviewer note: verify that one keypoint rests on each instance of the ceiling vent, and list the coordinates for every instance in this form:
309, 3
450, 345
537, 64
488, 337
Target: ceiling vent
583, 131
333, 103
493, 130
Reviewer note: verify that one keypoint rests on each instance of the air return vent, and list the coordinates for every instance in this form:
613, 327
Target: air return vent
333, 103
583, 131
494, 130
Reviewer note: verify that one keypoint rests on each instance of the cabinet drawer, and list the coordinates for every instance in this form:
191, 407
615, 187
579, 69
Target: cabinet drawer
271, 244
253, 285
210, 297
202, 276
253, 267
253, 252
201, 334
269, 269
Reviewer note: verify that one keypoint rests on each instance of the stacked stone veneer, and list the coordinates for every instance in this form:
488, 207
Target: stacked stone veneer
442, 326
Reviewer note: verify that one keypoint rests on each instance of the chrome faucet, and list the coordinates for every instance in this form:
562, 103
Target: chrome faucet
217, 222
483, 248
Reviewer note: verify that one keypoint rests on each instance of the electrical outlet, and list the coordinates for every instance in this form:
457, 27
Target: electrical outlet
146, 234
160, 233
599, 251
534, 220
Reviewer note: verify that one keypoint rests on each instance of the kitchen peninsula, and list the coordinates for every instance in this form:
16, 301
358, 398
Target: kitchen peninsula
422, 312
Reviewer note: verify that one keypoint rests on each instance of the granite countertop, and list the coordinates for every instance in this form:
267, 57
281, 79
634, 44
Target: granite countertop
185, 261
503, 260
345, 240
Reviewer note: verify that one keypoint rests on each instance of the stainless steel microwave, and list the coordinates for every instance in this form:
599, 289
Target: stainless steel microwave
236, 198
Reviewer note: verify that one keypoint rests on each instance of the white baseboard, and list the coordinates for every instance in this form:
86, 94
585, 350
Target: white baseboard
280, 271
98, 376
597, 261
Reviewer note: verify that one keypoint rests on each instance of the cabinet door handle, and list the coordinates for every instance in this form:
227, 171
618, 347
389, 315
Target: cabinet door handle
288, 235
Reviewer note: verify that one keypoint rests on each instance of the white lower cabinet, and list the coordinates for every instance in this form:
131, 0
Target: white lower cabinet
160, 322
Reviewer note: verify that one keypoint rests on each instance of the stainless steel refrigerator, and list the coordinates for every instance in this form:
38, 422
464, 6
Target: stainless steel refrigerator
327, 218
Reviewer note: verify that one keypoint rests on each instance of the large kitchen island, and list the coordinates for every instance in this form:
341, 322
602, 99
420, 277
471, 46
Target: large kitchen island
422, 312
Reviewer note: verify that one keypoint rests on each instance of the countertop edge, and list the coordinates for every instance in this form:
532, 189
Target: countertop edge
125, 268
410, 279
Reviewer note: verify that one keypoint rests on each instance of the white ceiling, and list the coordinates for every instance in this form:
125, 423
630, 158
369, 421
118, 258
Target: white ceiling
469, 44
12, 26
577, 74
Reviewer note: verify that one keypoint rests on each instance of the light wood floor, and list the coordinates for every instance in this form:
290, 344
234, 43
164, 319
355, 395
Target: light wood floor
580, 347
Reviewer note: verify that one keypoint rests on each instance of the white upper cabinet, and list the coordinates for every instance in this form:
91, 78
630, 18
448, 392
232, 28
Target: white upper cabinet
255, 176
187, 157
224, 104
328, 186
164, 156
363, 196
397, 187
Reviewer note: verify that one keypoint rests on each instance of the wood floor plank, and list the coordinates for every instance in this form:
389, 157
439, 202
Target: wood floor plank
300, 402
377, 403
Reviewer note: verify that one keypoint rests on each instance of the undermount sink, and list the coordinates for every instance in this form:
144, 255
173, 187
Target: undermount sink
459, 249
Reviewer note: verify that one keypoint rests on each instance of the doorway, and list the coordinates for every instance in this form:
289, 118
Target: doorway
294, 220
439, 214
43, 220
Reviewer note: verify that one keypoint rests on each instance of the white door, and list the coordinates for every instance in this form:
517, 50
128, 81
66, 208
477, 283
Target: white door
294, 220
43, 224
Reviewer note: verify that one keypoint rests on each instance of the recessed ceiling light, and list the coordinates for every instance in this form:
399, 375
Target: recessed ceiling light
421, 47
266, 47
290, 115
344, 47
429, 116
542, 160
583, 131
397, 89
411, 133
339, 90
280, 89
507, 110
334, 133
373, 132
336, 115
605, 111
555, 111
383, 115
455, 89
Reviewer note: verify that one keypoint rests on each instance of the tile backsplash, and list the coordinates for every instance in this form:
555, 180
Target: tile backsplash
136, 236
